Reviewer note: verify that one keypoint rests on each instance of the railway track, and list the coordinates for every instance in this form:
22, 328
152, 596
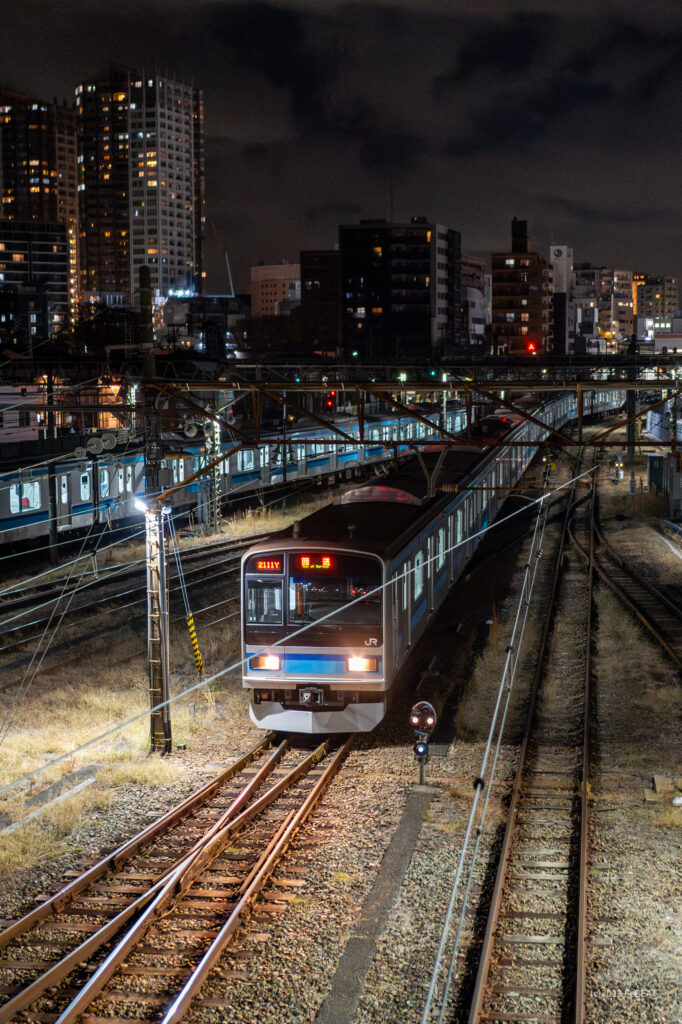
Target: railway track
137, 934
532, 963
658, 612
14, 628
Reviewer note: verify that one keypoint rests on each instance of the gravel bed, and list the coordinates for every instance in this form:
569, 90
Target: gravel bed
279, 969
635, 894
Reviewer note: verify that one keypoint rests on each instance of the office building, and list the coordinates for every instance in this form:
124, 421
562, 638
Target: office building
400, 290
141, 185
521, 299
320, 309
272, 284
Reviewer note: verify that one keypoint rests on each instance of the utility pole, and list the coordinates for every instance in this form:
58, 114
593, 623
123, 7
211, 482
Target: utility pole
52, 475
145, 340
210, 491
630, 410
158, 648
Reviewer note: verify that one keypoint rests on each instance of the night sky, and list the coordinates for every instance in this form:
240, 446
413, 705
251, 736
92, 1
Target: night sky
566, 114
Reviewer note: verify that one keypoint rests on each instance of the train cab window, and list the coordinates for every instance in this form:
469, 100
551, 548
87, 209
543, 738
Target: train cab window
24, 497
418, 575
348, 594
440, 549
85, 486
64, 489
264, 602
104, 483
129, 479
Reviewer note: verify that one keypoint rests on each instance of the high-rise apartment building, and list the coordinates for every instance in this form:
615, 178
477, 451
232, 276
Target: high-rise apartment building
38, 172
521, 300
34, 280
657, 297
400, 289
141, 184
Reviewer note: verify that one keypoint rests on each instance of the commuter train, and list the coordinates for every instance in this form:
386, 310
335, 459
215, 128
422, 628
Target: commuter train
333, 606
103, 488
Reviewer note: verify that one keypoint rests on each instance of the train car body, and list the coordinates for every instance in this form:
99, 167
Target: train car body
103, 489
333, 607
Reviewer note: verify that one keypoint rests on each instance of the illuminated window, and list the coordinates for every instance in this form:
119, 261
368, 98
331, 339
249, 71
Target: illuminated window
377, 250
18, 257
510, 262
418, 575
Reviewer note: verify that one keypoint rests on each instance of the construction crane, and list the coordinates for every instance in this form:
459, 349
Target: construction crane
223, 246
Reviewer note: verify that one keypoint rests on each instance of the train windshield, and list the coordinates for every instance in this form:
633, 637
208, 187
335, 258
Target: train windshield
346, 590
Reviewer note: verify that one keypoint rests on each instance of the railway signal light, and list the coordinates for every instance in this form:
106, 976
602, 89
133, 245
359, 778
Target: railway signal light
423, 720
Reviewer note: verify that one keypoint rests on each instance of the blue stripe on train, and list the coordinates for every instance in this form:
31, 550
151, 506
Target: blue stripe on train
316, 664
23, 519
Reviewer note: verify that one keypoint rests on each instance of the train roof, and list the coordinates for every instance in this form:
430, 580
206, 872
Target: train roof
375, 516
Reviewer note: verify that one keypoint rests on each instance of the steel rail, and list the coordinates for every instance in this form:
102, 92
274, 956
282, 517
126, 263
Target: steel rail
506, 850
645, 619
129, 849
252, 886
581, 930
62, 968
177, 884
624, 565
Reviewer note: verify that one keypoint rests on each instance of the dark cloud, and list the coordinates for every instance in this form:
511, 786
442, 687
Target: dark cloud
291, 49
506, 49
602, 214
313, 111
527, 119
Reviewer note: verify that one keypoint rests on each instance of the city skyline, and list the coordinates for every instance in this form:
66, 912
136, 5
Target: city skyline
319, 117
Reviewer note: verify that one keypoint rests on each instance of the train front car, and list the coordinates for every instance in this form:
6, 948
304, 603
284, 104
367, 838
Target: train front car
313, 637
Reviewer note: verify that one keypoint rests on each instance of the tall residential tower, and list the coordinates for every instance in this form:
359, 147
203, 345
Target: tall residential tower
141, 186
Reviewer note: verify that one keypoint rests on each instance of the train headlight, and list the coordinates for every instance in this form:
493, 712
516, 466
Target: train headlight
362, 664
266, 662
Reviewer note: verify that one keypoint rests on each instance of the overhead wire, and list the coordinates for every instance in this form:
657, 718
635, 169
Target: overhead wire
283, 640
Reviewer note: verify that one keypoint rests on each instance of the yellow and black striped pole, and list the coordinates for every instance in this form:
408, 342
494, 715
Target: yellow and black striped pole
198, 661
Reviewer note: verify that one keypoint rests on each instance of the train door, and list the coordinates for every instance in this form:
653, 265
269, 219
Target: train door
406, 604
396, 635
64, 511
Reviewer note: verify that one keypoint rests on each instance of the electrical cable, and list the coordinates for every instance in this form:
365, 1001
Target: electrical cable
283, 640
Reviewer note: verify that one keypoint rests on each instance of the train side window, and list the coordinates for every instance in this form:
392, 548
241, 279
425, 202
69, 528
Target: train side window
85, 486
120, 481
440, 548
244, 460
24, 497
406, 577
104, 483
64, 489
458, 528
181, 469
418, 584
129, 479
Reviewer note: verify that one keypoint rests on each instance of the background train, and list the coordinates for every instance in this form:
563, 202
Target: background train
333, 606
103, 488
